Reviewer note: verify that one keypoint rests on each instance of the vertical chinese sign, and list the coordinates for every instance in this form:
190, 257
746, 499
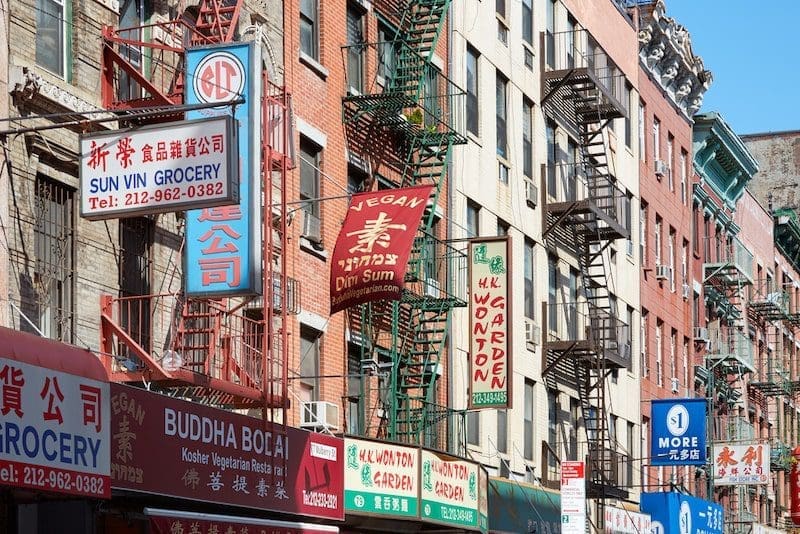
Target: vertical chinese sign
372, 250
573, 497
381, 478
489, 310
223, 244
741, 464
450, 490
55, 431
181, 449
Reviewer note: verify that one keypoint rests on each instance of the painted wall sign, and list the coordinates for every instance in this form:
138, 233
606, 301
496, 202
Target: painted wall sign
381, 478
573, 497
54, 431
489, 312
741, 463
678, 432
223, 244
676, 513
449, 491
176, 448
159, 168
371, 253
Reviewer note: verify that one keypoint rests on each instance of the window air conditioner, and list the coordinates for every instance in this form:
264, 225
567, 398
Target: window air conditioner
311, 228
661, 167
319, 415
663, 272
701, 334
532, 332
531, 193
676, 385
686, 291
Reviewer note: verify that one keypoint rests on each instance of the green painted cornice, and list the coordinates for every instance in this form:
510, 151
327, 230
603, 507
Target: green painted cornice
787, 235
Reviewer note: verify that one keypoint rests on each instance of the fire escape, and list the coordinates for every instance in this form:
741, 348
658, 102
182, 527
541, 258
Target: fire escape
405, 121
584, 340
227, 352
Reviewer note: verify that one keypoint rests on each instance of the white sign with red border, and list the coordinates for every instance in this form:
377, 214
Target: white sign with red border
159, 168
54, 431
620, 521
573, 497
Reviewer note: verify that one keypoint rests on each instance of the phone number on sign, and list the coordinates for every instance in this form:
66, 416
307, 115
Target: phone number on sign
172, 194
49, 479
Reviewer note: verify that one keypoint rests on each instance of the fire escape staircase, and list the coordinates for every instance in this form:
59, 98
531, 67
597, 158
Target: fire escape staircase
418, 107
585, 226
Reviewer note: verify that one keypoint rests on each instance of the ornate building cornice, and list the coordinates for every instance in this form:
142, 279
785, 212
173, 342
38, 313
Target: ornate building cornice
665, 51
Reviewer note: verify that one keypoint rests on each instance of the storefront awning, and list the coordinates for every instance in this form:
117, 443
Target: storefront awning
170, 521
50, 354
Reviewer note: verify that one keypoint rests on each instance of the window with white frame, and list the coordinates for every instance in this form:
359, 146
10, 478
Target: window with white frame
501, 114
659, 353
671, 258
529, 266
670, 149
527, 138
527, 427
52, 35
473, 110
656, 138
644, 364
643, 233
658, 241
673, 347
684, 184
309, 28
642, 149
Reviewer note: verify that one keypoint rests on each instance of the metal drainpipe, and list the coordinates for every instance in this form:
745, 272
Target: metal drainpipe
450, 351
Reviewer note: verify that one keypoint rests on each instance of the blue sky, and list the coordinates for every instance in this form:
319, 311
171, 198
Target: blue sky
751, 49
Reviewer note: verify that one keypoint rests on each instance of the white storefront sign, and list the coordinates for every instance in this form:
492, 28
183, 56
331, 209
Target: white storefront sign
573, 497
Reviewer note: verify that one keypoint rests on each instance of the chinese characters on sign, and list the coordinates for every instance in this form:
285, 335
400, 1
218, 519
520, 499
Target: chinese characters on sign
176, 522
449, 490
381, 478
223, 244
54, 431
741, 464
371, 252
678, 432
171, 447
489, 304
676, 513
620, 521
153, 169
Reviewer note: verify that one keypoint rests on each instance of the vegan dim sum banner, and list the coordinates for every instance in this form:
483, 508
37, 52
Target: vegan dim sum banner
371, 252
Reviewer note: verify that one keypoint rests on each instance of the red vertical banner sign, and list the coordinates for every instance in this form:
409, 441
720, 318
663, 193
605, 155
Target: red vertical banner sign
489, 312
371, 252
794, 482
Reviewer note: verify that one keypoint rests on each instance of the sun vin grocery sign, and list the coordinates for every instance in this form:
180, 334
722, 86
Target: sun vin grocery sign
490, 308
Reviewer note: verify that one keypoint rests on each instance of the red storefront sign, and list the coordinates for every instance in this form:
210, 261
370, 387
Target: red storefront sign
181, 449
177, 522
371, 252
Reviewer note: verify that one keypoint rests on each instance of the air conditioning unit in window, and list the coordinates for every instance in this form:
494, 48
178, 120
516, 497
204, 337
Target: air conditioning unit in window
676, 385
661, 167
532, 332
531, 193
432, 288
701, 334
319, 415
663, 272
686, 291
311, 228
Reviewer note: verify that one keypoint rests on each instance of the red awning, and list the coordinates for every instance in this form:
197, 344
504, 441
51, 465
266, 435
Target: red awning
55, 355
169, 521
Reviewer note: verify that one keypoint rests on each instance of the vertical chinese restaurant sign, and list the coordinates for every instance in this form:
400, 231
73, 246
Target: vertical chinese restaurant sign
223, 243
54, 433
159, 168
449, 491
741, 464
180, 449
381, 478
489, 311
372, 250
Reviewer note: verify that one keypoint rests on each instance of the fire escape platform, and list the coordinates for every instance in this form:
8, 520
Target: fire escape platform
586, 351
564, 88
595, 221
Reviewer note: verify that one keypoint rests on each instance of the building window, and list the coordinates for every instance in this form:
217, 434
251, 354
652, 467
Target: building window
309, 28
309, 176
684, 185
501, 112
132, 16
643, 233
642, 149
528, 421
353, 389
629, 336
529, 267
387, 52
473, 110
53, 244
308, 364
571, 307
552, 427
659, 354
644, 362
550, 32
628, 121
670, 164
684, 261
474, 428
502, 26
552, 158
527, 138
502, 431
527, 27
673, 347
658, 241
135, 270
52, 35
502, 227
473, 219
552, 293
355, 38
656, 138
671, 259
